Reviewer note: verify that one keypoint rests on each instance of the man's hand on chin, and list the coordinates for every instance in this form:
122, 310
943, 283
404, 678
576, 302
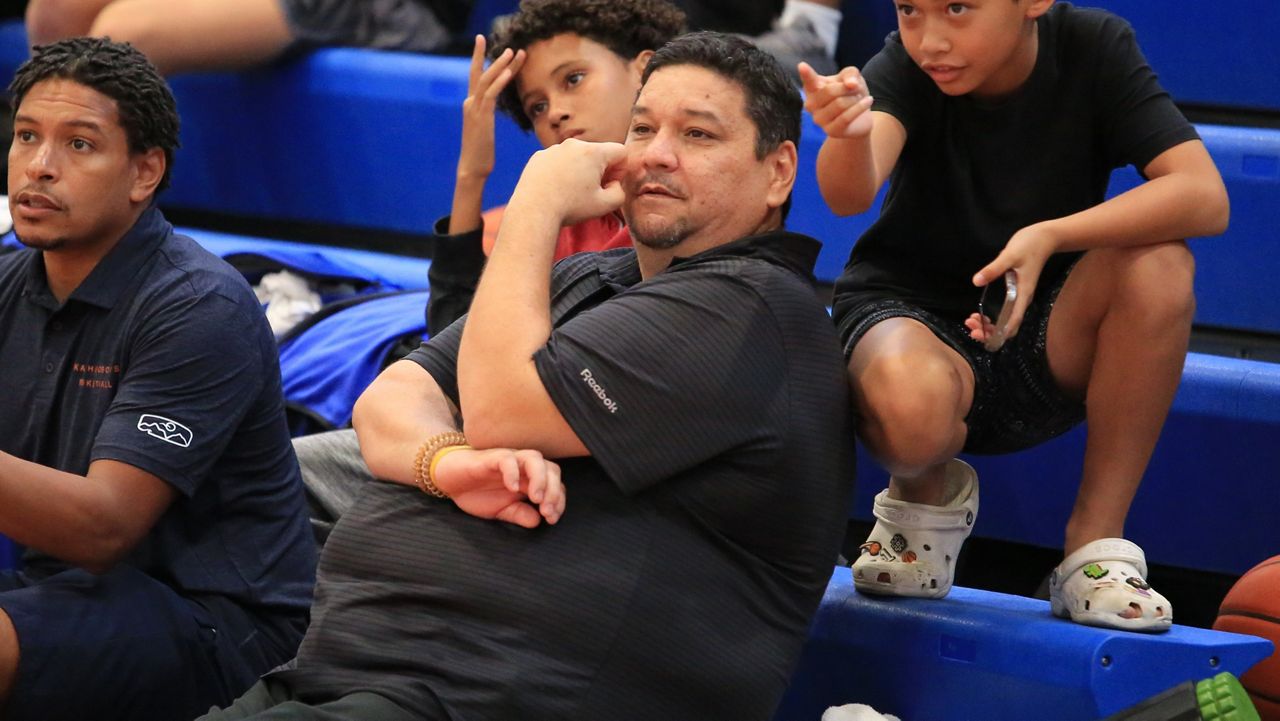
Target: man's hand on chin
572, 181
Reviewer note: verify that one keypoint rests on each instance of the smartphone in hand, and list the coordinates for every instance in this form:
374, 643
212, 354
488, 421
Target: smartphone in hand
995, 340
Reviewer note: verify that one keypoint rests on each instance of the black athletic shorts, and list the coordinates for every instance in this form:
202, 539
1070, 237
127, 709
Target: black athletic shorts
120, 645
1016, 403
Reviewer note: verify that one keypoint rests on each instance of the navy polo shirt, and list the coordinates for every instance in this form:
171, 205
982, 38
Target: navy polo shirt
162, 359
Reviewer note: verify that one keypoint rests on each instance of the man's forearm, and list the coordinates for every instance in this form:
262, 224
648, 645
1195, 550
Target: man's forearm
68, 516
401, 409
510, 317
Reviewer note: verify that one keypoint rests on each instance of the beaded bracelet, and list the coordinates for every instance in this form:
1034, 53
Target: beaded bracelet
424, 465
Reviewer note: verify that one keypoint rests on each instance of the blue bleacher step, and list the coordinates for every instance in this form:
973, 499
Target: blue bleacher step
984, 656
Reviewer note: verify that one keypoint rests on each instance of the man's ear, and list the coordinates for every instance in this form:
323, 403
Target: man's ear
148, 169
1038, 8
782, 166
639, 61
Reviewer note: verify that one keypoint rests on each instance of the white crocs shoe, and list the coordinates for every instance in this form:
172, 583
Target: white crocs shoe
912, 549
1103, 583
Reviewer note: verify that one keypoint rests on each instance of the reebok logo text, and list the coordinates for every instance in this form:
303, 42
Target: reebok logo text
598, 390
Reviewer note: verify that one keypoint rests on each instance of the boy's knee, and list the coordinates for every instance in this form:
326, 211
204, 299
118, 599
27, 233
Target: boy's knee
913, 401
1159, 280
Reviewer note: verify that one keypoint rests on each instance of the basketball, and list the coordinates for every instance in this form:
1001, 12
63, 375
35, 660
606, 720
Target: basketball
1252, 606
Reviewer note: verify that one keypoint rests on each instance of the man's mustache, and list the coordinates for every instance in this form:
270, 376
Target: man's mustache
655, 183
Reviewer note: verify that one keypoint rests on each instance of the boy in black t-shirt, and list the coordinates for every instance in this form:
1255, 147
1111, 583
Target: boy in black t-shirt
1000, 122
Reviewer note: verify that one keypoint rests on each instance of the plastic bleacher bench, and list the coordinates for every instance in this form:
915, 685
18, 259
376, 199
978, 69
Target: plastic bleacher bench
981, 656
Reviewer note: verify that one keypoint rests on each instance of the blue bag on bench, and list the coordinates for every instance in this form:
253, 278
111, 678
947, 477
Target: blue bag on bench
328, 361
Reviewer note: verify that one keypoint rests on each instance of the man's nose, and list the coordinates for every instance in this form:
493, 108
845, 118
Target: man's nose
41, 165
660, 152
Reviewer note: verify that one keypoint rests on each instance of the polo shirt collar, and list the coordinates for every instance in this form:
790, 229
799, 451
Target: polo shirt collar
619, 269
795, 252
114, 274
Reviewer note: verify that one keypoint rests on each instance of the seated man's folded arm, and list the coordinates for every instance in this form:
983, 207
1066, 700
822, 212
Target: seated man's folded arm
504, 401
403, 407
96, 520
502, 397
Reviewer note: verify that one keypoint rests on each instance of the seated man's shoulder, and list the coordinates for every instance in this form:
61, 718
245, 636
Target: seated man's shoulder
776, 278
186, 269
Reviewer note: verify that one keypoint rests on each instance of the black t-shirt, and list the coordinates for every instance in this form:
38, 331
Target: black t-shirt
162, 359
697, 540
972, 173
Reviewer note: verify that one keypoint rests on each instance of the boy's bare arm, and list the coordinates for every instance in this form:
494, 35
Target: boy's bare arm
862, 146
1183, 197
476, 159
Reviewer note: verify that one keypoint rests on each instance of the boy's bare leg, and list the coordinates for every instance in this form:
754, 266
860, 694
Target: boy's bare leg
1118, 336
912, 392
50, 20
186, 35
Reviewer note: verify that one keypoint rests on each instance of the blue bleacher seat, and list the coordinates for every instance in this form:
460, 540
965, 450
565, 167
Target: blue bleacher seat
982, 656
1209, 53
1235, 272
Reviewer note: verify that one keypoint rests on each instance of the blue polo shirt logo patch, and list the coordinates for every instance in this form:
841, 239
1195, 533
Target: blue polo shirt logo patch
165, 429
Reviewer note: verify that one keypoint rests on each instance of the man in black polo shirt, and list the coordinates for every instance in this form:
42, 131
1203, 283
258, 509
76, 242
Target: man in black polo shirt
665, 565
145, 461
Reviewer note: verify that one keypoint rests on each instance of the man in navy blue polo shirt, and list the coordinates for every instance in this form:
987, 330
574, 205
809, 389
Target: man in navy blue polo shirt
145, 461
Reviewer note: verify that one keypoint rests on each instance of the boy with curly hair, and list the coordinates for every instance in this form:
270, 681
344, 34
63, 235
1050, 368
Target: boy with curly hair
561, 69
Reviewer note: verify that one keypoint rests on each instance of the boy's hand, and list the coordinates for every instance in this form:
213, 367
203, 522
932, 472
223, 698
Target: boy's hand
574, 180
515, 486
840, 104
1025, 254
477, 157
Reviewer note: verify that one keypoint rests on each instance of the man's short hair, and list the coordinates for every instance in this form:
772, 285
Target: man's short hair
627, 27
773, 102
148, 113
